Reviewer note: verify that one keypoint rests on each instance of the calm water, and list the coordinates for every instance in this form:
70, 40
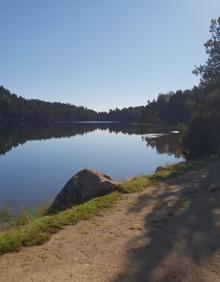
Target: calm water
35, 163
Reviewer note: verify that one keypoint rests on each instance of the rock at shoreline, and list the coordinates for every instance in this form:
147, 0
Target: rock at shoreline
83, 186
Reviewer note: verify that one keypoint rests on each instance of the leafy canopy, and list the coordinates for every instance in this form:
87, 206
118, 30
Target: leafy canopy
210, 71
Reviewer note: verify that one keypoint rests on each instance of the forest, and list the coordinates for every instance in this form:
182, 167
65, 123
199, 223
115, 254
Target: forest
20, 111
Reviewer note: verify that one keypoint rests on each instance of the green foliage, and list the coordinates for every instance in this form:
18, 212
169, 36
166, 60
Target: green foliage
172, 108
182, 128
203, 135
210, 71
6, 217
24, 217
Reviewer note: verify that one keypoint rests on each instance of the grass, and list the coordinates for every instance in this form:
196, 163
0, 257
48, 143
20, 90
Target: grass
39, 230
137, 184
176, 170
36, 230
8, 220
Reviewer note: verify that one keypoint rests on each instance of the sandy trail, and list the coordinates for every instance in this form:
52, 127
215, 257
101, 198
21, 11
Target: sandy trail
169, 232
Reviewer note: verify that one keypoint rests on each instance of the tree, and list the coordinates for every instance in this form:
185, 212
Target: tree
210, 71
203, 135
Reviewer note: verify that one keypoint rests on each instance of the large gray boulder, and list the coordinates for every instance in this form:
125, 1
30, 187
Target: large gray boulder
83, 186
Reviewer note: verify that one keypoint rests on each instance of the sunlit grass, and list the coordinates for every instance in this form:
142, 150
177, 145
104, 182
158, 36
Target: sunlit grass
137, 184
25, 216
39, 230
176, 170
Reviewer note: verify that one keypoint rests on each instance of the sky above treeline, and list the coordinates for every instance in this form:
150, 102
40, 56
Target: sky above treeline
102, 53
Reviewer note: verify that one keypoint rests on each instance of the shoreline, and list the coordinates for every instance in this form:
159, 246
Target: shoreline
39, 230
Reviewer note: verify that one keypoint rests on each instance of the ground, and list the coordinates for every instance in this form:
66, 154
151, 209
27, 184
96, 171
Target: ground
168, 232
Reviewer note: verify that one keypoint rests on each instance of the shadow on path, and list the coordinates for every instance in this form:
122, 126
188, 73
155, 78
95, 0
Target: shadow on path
181, 233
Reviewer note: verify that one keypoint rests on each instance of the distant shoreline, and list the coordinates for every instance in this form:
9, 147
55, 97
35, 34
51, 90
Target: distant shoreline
88, 121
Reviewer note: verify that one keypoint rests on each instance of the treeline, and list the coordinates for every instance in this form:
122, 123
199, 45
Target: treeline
17, 110
198, 109
172, 108
202, 135
130, 114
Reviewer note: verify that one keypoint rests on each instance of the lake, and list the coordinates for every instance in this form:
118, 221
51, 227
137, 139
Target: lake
36, 162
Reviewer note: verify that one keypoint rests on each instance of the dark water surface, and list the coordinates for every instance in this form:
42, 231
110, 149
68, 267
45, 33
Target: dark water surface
36, 162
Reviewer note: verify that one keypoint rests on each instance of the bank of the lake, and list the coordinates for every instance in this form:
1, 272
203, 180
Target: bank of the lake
30, 231
159, 227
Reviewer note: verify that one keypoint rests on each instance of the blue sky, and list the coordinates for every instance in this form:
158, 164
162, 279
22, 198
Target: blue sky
102, 53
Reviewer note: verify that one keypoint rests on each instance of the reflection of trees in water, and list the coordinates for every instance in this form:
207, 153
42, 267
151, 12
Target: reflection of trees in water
169, 144
12, 137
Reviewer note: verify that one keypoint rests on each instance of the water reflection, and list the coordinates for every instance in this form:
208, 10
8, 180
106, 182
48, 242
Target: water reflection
166, 143
36, 161
11, 137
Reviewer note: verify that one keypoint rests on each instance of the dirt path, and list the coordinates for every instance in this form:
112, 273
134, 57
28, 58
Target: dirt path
169, 232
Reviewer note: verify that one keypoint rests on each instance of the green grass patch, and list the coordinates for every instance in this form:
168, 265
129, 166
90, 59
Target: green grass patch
39, 230
8, 220
171, 171
137, 184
